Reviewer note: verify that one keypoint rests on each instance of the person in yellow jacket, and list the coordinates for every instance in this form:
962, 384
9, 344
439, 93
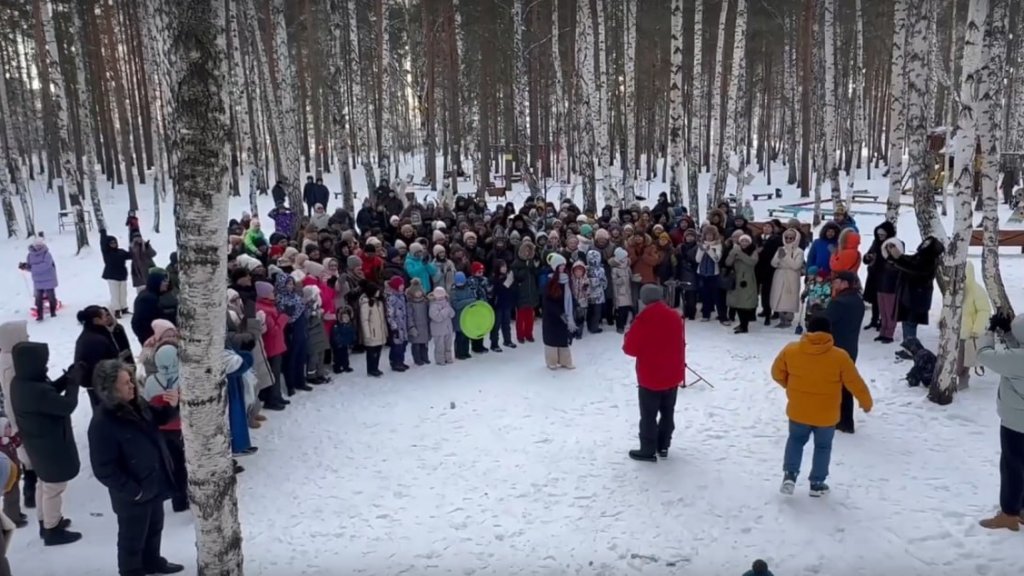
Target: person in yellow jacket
814, 372
975, 315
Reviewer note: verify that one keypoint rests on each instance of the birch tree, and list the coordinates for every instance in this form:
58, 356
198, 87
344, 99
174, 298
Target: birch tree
697, 83
558, 100
990, 131
733, 108
955, 259
675, 105
917, 101
600, 111
829, 105
240, 104
85, 124
718, 167
287, 121
199, 65
858, 97
584, 99
70, 178
521, 99
897, 111
362, 120
789, 65
339, 119
388, 159
6, 200
11, 162
629, 67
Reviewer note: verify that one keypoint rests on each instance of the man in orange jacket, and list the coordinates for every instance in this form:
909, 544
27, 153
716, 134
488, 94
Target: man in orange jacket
657, 341
814, 373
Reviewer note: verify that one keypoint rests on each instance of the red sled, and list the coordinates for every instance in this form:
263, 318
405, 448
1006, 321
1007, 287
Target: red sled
35, 313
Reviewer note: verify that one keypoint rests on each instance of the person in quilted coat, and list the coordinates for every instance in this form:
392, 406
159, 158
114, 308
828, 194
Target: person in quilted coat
44, 276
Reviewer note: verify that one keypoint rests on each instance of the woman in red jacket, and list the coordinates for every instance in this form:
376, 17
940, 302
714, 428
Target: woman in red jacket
273, 323
656, 339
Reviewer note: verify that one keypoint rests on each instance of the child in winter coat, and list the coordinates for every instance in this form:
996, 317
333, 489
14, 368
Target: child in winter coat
442, 329
418, 308
274, 323
598, 285
161, 353
398, 323
817, 293
44, 276
343, 336
482, 291
503, 300
373, 326
622, 295
316, 344
579, 284
462, 296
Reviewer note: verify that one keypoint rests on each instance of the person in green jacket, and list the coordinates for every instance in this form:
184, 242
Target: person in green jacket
254, 238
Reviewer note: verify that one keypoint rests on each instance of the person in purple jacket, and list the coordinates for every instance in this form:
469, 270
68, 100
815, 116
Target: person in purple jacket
44, 275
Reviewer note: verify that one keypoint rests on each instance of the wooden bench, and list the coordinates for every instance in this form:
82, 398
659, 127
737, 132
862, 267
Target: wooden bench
762, 196
865, 197
773, 212
66, 219
497, 192
1012, 238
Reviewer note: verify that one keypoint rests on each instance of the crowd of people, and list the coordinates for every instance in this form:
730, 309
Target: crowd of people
320, 290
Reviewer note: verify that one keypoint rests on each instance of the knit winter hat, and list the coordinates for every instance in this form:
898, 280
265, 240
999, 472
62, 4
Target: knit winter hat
353, 262
848, 276
394, 220
621, 254
581, 219
439, 292
439, 225
288, 258
650, 293
812, 270
438, 250
310, 293
300, 261
312, 268
39, 241
819, 323
476, 268
415, 285
401, 245
460, 279
396, 283
587, 230
416, 248
438, 236
161, 327
298, 276
468, 235
555, 260
373, 241
232, 294
745, 237
248, 262
602, 234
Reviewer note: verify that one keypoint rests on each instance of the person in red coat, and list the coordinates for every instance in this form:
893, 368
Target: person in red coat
656, 339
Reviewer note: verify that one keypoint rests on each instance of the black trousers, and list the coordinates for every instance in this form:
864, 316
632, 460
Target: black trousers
621, 316
373, 358
655, 432
766, 296
746, 315
846, 412
1011, 471
176, 450
139, 529
461, 346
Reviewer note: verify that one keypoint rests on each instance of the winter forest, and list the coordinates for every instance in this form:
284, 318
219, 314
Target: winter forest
181, 108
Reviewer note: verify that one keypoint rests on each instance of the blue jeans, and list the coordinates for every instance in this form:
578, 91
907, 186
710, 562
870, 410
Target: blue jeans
799, 434
909, 330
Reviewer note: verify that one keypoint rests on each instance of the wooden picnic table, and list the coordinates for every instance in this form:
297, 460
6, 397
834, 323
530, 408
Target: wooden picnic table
1013, 238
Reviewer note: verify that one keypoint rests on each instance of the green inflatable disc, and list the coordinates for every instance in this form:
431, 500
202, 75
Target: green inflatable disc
476, 320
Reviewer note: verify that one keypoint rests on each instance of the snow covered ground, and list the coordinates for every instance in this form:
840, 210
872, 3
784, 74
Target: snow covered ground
497, 465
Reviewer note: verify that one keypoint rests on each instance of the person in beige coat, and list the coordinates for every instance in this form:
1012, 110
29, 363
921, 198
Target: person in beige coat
974, 324
12, 333
789, 269
373, 326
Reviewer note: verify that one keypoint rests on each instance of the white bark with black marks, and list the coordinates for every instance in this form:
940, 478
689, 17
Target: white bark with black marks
918, 96
609, 186
521, 98
829, 105
240, 104
694, 123
955, 259
675, 106
897, 111
629, 66
339, 118
558, 102
6, 200
287, 121
737, 96
388, 159
719, 167
199, 94
362, 120
858, 95
584, 99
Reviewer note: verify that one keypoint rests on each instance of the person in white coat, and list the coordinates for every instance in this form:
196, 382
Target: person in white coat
975, 315
789, 269
373, 326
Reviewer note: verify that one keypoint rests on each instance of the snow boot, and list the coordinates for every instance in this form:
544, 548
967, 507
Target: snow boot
496, 348
641, 456
28, 491
818, 489
663, 453
767, 321
59, 536
788, 484
165, 567
510, 344
64, 524
1002, 521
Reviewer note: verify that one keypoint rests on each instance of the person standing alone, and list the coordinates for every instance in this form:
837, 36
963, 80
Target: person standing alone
657, 341
845, 312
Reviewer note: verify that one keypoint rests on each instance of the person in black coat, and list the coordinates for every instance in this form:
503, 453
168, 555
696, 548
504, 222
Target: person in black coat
129, 456
321, 193
557, 323
846, 313
916, 284
309, 195
115, 272
43, 411
278, 192
148, 306
764, 272
98, 342
875, 262
686, 274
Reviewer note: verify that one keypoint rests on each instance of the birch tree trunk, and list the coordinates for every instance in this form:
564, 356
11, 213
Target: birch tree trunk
694, 123
10, 216
199, 64
955, 259
858, 95
719, 167
559, 99
85, 122
11, 160
58, 107
629, 66
157, 101
359, 99
897, 111
791, 98
675, 106
917, 98
339, 118
521, 100
388, 158
612, 197
828, 36
990, 134
240, 104
584, 98
738, 95
287, 121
